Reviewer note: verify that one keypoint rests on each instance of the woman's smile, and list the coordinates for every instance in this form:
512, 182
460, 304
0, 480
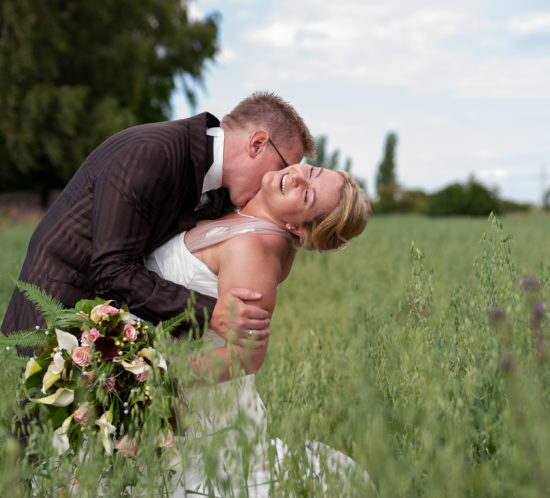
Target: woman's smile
283, 183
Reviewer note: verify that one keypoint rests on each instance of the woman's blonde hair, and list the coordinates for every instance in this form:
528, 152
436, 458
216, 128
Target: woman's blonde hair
347, 220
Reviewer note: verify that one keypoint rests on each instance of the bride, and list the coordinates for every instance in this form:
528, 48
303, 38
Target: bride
301, 206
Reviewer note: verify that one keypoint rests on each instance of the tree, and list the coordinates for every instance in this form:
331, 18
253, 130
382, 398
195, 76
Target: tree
386, 184
331, 161
386, 169
546, 200
73, 72
322, 158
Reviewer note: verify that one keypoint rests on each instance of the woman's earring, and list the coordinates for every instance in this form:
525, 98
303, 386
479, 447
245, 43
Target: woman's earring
290, 227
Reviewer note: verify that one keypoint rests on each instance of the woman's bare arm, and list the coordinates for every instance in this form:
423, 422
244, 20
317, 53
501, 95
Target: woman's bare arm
253, 262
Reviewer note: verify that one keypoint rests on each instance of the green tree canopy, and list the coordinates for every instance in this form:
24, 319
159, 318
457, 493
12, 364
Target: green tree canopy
73, 72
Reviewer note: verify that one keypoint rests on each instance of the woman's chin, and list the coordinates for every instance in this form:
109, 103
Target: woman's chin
269, 180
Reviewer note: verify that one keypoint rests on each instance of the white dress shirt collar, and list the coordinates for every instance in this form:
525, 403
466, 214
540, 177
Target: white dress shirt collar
213, 177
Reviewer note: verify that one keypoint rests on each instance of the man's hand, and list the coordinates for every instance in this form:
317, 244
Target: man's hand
233, 318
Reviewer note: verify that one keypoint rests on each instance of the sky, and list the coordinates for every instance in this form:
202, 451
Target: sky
464, 84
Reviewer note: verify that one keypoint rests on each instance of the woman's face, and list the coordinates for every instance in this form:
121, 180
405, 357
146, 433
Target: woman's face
301, 193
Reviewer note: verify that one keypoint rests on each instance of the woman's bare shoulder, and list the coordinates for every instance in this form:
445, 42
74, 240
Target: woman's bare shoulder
260, 244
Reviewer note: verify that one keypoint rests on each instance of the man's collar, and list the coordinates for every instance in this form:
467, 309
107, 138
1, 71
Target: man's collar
213, 178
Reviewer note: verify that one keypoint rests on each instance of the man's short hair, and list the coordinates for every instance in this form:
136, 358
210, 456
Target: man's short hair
278, 117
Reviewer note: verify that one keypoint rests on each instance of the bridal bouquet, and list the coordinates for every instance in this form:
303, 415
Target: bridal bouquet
93, 375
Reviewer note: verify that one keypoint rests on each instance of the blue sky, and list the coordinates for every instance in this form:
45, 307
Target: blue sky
464, 84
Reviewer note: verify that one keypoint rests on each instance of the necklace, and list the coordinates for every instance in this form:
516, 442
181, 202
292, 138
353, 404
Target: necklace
238, 211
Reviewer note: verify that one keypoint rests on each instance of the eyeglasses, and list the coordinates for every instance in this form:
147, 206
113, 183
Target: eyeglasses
277, 151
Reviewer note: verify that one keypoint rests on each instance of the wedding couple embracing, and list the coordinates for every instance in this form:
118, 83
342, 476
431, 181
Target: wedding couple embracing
147, 221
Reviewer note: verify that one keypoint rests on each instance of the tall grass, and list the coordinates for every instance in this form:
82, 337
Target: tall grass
388, 353
13, 246
420, 352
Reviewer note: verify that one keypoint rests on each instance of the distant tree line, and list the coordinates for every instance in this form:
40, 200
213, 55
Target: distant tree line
471, 198
74, 72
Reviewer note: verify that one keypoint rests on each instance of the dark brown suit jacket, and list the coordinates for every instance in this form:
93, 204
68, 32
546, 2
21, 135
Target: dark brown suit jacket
134, 191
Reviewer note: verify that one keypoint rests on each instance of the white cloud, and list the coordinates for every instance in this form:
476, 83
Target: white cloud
493, 173
529, 24
226, 55
487, 154
423, 49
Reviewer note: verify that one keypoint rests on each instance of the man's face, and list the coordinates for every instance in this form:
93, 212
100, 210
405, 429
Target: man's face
243, 176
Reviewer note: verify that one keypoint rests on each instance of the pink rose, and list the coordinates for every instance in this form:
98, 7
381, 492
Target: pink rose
131, 332
165, 440
89, 378
89, 336
110, 384
127, 447
142, 377
101, 311
81, 356
81, 414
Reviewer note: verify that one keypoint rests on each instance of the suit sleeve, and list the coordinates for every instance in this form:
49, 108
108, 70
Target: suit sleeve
128, 199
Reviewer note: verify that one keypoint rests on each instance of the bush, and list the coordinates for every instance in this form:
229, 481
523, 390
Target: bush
412, 201
472, 199
516, 207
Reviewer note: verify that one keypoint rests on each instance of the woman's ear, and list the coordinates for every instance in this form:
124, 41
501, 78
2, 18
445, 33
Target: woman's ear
257, 141
293, 229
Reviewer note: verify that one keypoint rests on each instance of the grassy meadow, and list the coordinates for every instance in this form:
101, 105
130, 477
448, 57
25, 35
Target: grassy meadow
420, 351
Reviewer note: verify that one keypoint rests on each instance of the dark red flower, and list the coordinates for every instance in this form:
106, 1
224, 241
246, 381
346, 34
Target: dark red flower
106, 346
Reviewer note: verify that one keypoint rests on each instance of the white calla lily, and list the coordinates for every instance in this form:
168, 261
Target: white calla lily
54, 372
60, 440
106, 428
49, 380
153, 355
62, 397
32, 367
66, 341
58, 363
127, 317
137, 368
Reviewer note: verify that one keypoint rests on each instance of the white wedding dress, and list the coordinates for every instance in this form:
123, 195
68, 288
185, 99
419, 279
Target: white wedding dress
231, 416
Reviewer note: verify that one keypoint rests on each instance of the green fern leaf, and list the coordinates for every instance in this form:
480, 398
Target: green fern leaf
168, 326
24, 338
50, 307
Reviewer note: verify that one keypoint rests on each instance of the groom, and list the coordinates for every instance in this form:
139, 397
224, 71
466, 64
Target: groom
142, 186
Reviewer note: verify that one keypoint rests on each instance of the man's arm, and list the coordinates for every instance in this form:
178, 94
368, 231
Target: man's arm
129, 198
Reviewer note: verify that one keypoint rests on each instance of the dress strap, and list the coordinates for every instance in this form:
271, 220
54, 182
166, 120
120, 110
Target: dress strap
216, 231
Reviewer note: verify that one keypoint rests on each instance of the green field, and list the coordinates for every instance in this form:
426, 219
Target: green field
398, 358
